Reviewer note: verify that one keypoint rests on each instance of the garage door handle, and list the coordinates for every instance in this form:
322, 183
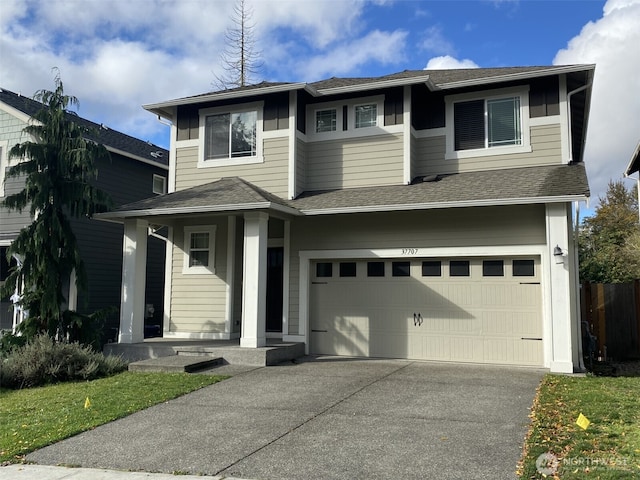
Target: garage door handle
530, 338
319, 331
319, 283
529, 283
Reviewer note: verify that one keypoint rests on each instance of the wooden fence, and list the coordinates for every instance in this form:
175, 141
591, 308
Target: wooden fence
612, 314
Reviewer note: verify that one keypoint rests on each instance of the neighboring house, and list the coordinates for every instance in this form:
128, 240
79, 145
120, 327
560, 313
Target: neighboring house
634, 167
424, 215
136, 170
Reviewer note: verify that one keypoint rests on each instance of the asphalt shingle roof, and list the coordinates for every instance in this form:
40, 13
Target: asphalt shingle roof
517, 185
106, 136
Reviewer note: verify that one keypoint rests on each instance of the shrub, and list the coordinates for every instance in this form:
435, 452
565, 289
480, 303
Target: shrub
43, 361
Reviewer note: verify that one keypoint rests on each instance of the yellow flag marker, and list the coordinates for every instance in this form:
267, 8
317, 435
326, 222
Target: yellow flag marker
583, 422
87, 403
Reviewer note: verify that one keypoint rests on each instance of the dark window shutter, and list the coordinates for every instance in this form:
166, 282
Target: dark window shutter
469, 124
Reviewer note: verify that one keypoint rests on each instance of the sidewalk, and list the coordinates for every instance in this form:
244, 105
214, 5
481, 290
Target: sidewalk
47, 472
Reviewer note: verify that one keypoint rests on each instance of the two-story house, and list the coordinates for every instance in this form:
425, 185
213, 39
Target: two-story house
136, 170
427, 214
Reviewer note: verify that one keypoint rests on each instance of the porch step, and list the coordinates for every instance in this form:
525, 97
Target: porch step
176, 363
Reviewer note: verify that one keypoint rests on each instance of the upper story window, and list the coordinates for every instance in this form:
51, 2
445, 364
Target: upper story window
159, 184
348, 118
366, 115
230, 136
493, 123
326, 120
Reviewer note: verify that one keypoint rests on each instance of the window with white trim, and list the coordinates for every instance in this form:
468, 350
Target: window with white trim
326, 120
490, 124
199, 251
366, 115
357, 117
159, 184
230, 136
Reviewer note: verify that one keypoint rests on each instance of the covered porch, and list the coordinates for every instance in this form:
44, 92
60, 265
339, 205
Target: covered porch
218, 286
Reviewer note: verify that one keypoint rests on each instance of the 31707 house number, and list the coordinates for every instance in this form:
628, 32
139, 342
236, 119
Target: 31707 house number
409, 251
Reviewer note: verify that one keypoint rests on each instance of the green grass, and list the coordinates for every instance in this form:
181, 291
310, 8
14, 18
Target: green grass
35, 417
608, 449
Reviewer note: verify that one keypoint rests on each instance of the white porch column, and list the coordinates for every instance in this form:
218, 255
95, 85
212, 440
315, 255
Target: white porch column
134, 259
254, 291
564, 317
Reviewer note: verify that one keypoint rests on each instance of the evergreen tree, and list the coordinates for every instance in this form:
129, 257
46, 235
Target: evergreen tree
58, 167
240, 59
609, 241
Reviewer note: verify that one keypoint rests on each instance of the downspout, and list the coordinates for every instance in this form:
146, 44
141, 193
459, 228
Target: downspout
575, 234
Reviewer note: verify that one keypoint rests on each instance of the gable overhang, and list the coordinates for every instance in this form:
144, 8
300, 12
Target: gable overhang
376, 85
120, 216
441, 205
510, 77
634, 163
167, 109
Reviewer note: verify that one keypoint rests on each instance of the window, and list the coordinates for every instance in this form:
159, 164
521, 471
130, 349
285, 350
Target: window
487, 123
230, 137
523, 268
401, 269
326, 120
159, 184
199, 255
375, 269
366, 115
348, 269
497, 122
431, 268
459, 268
324, 269
492, 268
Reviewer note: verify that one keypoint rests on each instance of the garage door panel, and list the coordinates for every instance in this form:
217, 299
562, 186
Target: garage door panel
467, 319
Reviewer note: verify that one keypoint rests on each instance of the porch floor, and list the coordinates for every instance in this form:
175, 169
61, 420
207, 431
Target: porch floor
228, 351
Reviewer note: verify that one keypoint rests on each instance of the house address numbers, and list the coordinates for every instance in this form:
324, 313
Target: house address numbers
409, 251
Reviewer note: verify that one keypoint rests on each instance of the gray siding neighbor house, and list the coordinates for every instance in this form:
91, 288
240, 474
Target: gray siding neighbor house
426, 214
136, 170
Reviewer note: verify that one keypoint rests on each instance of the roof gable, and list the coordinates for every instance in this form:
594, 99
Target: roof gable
114, 140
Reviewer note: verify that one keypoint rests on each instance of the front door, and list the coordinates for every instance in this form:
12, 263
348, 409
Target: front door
275, 257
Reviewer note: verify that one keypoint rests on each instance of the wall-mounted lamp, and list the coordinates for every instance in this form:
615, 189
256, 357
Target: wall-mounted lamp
558, 254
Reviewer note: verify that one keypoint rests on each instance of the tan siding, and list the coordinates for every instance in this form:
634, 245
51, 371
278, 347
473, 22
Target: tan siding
545, 143
354, 162
301, 166
198, 302
270, 175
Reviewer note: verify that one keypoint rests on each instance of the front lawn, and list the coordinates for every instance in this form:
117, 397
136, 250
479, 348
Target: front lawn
610, 446
35, 417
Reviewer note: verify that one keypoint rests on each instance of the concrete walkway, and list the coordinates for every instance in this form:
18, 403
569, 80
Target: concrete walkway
325, 418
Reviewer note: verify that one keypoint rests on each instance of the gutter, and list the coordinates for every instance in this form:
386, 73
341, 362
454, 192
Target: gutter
439, 205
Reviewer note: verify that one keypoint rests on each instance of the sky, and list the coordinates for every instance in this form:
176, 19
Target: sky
117, 55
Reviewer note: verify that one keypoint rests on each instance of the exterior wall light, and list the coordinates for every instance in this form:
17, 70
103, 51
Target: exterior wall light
558, 254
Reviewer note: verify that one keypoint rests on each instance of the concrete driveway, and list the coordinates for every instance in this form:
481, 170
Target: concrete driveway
325, 418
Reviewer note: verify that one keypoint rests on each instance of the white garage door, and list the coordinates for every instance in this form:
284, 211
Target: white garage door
465, 310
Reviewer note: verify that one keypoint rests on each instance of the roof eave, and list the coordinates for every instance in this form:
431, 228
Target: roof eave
359, 87
454, 204
155, 212
165, 108
515, 76
634, 163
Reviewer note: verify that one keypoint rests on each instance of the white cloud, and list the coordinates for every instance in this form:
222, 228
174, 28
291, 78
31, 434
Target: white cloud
435, 43
448, 62
381, 47
612, 44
